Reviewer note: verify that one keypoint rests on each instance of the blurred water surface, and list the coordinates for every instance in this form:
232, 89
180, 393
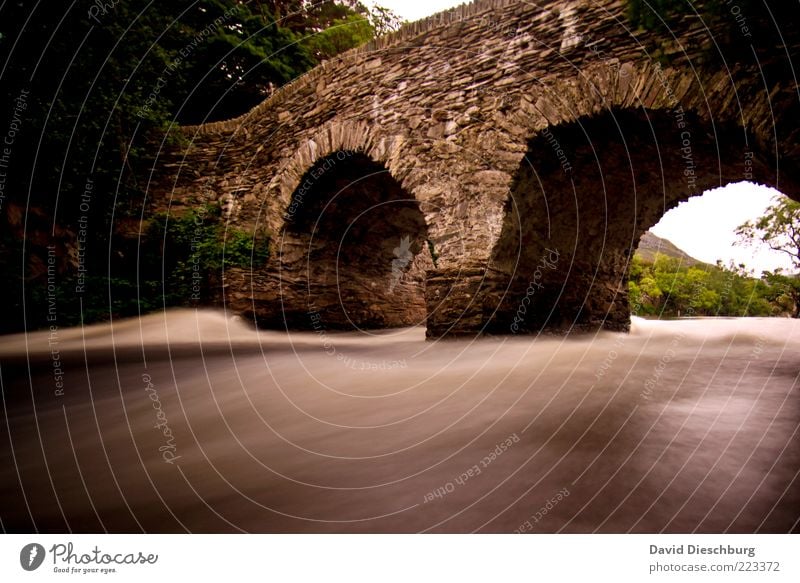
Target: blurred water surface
192, 421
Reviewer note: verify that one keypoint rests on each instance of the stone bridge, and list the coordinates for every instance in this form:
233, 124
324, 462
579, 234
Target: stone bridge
490, 168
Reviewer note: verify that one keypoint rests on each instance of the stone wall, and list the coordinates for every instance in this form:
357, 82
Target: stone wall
474, 113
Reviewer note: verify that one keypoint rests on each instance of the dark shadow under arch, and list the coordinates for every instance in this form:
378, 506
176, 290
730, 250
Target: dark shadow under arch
588, 190
353, 253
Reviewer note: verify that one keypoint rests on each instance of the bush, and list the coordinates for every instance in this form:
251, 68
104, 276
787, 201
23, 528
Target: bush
192, 251
668, 288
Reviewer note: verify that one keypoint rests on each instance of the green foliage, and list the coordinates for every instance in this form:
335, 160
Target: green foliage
104, 85
665, 287
105, 90
102, 298
384, 20
304, 17
182, 259
784, 292
779, 230
668, 288
189, 253
232, 66
349, 32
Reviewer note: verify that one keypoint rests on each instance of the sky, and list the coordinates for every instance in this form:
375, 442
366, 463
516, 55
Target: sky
704, 226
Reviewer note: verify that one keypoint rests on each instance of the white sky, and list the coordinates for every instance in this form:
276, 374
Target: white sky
704, 226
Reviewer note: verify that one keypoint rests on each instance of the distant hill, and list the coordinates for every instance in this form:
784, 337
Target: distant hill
650, 244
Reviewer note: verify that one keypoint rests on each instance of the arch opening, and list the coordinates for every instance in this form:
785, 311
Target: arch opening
689, 265
585, 193
354, 250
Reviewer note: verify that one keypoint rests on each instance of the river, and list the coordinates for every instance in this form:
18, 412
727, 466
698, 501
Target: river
191, 421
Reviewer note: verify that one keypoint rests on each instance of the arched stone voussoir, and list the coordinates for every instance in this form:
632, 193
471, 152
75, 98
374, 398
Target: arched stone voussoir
338, 139
611, 85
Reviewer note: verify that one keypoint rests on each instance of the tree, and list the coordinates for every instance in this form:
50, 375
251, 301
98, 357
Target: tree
342, 35
778, 229
784, 291
236, 64
96, 91
307, 17
668, 287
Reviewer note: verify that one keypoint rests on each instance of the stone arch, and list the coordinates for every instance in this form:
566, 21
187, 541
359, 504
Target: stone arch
352, 252
592, 90
588, 140
335, 136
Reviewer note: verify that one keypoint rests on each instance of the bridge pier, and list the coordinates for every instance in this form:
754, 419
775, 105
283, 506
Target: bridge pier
352, 253
549, 297
455, 300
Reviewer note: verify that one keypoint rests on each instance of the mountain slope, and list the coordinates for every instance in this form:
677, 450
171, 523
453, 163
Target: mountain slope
650, 244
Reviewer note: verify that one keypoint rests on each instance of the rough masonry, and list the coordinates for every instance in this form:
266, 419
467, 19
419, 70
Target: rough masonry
488, 169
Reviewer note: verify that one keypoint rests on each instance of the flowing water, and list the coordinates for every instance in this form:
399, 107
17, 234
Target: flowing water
191, 421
